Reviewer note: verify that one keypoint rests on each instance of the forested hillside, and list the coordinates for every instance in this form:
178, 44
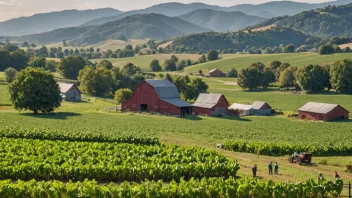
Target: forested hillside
325, 22
44, 22
239, 40
220, 20
154, 26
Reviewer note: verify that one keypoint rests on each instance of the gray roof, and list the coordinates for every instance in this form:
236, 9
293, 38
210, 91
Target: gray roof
207, 100
316, 107
164, 88
236, 106
258, 104
64, 87
177, 102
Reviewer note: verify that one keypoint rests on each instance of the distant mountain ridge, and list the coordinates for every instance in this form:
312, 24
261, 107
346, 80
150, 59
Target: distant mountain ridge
221, 21
266, 10
323, 22
44, 22
154, 26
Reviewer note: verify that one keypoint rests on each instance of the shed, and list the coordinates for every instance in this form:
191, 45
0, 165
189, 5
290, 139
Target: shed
242, 109
216, 73
261, 108
70, 92
211, 105
323, 112
160, 96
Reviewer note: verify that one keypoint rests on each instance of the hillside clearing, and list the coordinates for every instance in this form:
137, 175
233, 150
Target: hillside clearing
343, 46
268, 27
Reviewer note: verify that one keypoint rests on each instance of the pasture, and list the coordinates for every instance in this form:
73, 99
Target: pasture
241, 61
106, 45
144, 61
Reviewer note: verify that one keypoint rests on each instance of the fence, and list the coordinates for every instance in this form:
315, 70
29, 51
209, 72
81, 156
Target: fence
349, 190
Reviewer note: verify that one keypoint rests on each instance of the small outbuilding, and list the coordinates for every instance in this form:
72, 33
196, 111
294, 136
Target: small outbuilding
323, 112
70, 92
261, 108
216, 73
242, 109
159, 96
211, 105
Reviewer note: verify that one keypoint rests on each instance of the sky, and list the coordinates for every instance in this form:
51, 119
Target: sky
17, 8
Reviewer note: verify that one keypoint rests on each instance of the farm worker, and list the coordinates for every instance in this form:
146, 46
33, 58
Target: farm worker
254, 170
271, 168
276, 168
337, 176
320, 178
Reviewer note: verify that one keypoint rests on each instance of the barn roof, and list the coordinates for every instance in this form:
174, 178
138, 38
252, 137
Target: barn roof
259, 104
214, 70
64, 87
207, 100
177, 102
316, 107
164, 88
236, 106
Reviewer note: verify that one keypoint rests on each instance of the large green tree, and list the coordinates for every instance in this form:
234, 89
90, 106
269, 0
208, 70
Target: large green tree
155, 66
36, 90
70, 66
97, 82
213, 55
249, 78
123, 95
105, 63
341, 75
313, 78
287, 77
10, 74
37, 61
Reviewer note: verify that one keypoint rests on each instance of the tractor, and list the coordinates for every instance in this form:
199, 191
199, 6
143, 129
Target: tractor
300, 158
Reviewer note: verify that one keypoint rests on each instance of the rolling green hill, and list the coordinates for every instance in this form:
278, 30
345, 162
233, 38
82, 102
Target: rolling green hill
239, 40
44, 22
153, 26
324, 22
221, 21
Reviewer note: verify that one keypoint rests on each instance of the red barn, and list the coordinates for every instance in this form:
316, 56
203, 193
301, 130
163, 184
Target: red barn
160, 96
211, 105
323, 112
216, 73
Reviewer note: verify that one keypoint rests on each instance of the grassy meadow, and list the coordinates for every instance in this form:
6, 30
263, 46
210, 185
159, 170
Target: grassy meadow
144, 61
241, 61
106, 45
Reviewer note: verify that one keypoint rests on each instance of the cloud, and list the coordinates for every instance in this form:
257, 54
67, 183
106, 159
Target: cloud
13, 2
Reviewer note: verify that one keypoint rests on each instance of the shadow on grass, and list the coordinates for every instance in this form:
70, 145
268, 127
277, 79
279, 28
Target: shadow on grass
192, 117
326, 92
235, 118
55, 116
343, 121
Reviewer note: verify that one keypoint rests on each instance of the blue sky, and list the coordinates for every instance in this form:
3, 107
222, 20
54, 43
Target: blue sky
16, 8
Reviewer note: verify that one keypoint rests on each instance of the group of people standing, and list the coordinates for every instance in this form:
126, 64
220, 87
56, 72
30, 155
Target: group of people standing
270, 166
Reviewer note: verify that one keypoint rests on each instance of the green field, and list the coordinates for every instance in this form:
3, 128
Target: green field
106, 45
240, 61
144, 61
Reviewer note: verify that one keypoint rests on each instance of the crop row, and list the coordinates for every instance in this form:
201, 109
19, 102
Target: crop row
204, 188
27, 159
279, 149
140, 139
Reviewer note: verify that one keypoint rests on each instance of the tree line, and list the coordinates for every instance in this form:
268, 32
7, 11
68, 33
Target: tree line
311, 78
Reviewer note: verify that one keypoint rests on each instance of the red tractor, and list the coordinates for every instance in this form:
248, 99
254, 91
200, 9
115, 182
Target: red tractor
300, 158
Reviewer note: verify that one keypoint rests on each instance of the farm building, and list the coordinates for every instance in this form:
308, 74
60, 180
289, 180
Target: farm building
261, 108
216, 73
69, 92
160, 96
211, 105
323, 112
242, 109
